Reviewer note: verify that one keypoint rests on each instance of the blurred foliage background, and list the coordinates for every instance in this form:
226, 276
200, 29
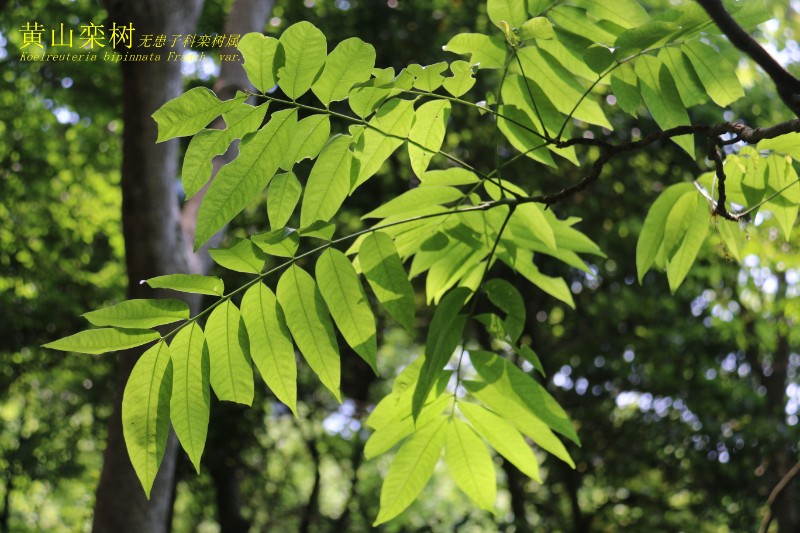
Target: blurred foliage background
687, 404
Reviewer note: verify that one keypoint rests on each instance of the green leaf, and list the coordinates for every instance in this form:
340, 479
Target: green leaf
194, 283
511, 11
788, 143
503, 437
384, 271
139, 313
302, 50
574, 20
416, 199
653, 34
529, 355
732, 237
598, 58
518, 128
485, 51
523, 388
529, 220
782, 180
715, 73
259, 53
503, 401
350, 63
190, 112
189, 405
270, 343
444, 334
145, 413
522, 262
310, 136
662, 99
536, 28
281, 242
652, 234
282, 196
559, 85
231, 372
686, 81
347, 303
427, 134
461, 81
411, 469
505, 296
385, 134
102, 340
329, 181
241, 256
318, 230
397, 403
679, 264
238, 183
402, 424
625, 86
449, 177
311, 326
365, 98
624, 13
206, 144
427, 78
470, 464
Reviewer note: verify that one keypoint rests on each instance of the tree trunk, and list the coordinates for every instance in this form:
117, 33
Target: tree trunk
158, 238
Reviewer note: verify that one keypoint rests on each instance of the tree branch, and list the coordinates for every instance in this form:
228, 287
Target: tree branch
774, 496
739, 131
787, 85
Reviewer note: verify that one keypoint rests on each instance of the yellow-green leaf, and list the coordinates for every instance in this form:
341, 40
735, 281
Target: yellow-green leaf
470, 464
270, 343
411, 469
231, 373
384, 271
190, 402
503, 437
347, 303
145, 413
193, 283
311, 326
301, 53
102, 340
190, 112
140, 313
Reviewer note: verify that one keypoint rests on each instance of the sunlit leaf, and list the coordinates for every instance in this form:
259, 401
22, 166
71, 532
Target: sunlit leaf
427, 133
310, 324
503, 437
239, 182
301, 53
329, 181
340, 287
231, 373
190, 112
258, 52
270, 343
140, 313
194, 283
470, 464
382, 267
241, 256
282, 197
351, 62
190, 401
102, 340
485, 51
410, 470
444, 334
145, 413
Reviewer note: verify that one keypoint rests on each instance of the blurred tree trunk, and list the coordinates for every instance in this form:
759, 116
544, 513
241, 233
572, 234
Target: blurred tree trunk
158, 235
